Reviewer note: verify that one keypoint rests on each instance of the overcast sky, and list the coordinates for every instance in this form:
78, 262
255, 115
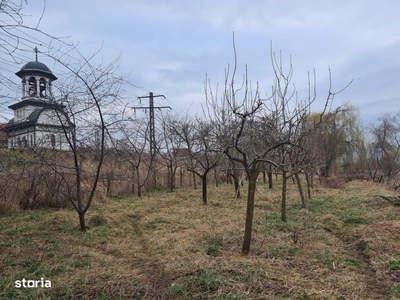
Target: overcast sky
168, 47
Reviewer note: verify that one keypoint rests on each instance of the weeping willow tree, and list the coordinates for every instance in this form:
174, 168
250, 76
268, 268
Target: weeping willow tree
338, 142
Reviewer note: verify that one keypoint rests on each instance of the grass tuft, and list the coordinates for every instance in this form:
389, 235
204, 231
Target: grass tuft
97, 220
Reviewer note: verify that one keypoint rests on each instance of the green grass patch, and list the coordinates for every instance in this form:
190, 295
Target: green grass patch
394, 265
97, 220
395, 292
355, 221
213, 245
155, 224
203, 283
353, 262
282, 252
320, 205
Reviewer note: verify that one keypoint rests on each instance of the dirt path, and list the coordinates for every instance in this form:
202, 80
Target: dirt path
152, 269
356, 249
374, 287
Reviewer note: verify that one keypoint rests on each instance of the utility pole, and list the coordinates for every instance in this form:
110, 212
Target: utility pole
152, 133
151, 108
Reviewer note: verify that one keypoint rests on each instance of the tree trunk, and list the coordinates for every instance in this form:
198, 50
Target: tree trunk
204, 188
308, 184
228, 177
194, 181
108, 180
283, 204
299, 186
133, 181
139, 187
237, 186
82, 221
155, 178
32, 191
216, 177
170, 178
180, 177
325, 170
253, 174
270, 183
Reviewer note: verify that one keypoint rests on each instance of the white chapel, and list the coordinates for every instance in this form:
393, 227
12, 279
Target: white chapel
39, 121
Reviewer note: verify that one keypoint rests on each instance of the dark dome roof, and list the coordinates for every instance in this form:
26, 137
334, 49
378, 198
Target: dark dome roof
35, 68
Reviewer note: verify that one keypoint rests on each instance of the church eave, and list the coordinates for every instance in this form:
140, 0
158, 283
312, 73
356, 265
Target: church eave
13, 128
36, 102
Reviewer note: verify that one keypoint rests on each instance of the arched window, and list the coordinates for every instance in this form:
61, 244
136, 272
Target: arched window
32, 86
42, 87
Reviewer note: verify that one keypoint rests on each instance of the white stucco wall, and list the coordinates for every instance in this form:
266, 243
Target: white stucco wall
52, 117
22, 114
46, 133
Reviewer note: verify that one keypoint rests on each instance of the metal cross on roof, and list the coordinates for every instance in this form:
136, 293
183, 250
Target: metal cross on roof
36, 51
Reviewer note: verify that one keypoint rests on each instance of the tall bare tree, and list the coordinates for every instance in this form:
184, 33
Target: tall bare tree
90, 94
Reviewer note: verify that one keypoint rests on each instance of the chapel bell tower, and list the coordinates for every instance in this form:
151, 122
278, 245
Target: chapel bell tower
39, 120
36, 80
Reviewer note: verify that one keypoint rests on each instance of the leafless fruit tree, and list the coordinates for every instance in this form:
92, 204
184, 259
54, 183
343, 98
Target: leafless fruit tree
198, 137
90, 95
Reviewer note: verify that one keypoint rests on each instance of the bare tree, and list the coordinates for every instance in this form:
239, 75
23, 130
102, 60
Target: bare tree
90, 93
242, 140
385, 148
198, 137
234, 172
133, 148
169, 149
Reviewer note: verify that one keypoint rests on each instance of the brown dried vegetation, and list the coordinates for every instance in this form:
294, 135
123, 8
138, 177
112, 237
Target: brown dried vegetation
170, 246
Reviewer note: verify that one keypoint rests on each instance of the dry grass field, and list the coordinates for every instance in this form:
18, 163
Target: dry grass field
169, 246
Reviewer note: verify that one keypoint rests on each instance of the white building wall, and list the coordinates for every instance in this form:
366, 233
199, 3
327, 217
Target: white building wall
22, 114
51, 138
46, 133
52, 117
42, 137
